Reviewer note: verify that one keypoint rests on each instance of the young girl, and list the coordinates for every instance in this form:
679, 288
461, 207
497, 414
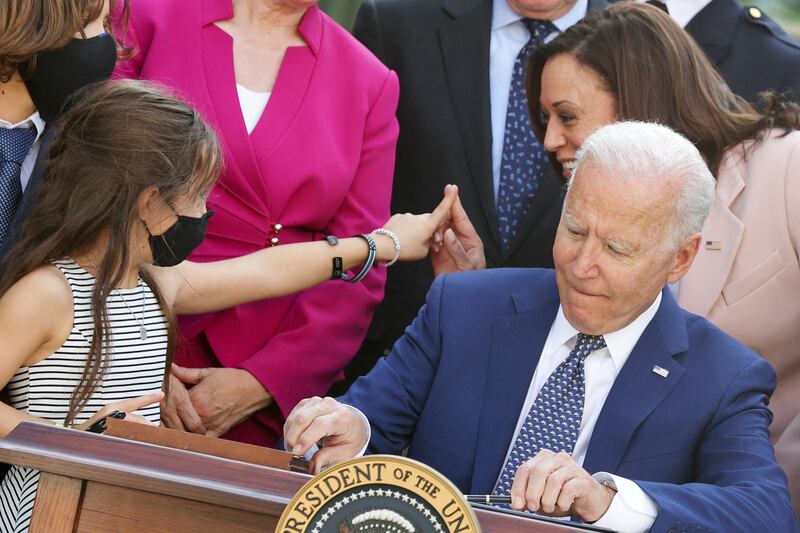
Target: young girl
86, 319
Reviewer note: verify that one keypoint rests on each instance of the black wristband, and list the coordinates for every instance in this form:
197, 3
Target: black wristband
337, 268
337, 271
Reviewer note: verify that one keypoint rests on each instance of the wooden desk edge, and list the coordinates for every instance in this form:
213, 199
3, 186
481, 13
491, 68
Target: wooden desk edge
178, 473
175, 473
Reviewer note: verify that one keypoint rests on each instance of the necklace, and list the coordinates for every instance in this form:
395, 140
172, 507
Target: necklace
142, 327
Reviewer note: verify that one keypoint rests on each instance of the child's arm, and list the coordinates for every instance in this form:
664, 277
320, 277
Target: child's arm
35, 319
275, 272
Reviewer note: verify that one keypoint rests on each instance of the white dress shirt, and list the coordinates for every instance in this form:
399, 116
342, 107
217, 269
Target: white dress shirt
253, 104
33, 121
508, 37
632, 510
683, 11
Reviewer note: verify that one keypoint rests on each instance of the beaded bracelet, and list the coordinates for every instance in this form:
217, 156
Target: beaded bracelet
392, 235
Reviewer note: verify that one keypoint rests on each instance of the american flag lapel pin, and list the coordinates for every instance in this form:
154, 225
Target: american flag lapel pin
663, 372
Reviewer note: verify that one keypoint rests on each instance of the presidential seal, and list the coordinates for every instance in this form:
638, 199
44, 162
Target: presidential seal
378, 493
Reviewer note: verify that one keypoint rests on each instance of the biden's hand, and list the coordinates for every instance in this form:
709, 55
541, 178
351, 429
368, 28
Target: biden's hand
338, 429
553, 484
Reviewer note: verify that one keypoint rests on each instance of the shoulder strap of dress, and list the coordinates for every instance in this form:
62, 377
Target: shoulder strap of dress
75, 274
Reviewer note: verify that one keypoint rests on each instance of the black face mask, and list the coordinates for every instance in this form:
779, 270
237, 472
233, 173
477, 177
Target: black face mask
60, 73
174, 245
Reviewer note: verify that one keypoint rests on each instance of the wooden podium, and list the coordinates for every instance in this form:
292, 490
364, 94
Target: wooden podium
97, 483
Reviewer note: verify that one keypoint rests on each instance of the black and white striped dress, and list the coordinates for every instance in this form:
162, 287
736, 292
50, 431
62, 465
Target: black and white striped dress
136, 368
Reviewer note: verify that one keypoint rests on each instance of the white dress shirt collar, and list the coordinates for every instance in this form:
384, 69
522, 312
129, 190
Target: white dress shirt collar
683, 11
620, 343
34, 120
503, 15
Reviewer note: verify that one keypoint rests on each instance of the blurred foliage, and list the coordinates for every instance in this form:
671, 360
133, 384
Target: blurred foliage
786, 12
343, 11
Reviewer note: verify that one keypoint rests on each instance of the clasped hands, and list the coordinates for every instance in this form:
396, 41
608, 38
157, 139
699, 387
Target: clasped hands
219, 399
550, 483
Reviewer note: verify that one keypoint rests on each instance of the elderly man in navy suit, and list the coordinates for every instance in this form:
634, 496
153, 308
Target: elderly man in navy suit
583, 391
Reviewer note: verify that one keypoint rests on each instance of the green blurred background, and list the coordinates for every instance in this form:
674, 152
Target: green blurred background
786, 12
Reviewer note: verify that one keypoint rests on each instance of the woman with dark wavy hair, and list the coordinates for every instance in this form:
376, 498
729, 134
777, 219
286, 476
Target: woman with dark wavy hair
633, 62
88, 295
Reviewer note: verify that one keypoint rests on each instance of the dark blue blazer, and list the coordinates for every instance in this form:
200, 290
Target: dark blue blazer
750, 50
30, 194
696, 441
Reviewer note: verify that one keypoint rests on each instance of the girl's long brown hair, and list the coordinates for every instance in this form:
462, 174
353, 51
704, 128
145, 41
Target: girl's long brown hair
659, 74
118, 139
30, 27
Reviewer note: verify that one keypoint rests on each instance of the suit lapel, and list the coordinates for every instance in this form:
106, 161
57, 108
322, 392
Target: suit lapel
597, 5
702, 285
464, 36
550, 190
638, 390
287, 96
217, 59
517, 343
34, 182
291, 85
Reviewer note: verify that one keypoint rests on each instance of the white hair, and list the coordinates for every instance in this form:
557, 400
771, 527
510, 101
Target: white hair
655, 152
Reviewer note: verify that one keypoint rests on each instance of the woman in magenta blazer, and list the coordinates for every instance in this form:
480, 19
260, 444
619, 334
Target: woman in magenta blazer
318, 160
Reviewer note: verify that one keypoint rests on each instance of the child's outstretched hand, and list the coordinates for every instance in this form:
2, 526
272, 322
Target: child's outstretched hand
416, 232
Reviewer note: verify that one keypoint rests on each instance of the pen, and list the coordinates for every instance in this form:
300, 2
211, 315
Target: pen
489, 499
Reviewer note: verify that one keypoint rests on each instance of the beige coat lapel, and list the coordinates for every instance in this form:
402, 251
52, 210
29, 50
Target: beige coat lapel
722, 235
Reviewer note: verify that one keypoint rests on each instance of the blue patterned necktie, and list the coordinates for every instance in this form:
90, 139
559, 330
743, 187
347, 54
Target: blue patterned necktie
524, 158
554, 420
15, 143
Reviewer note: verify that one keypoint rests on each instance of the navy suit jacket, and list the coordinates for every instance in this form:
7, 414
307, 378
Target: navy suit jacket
30, 194
696, 441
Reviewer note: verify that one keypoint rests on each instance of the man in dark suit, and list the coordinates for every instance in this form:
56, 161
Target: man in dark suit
584, 391
458, 63
750, 50
21, 132
30, 106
